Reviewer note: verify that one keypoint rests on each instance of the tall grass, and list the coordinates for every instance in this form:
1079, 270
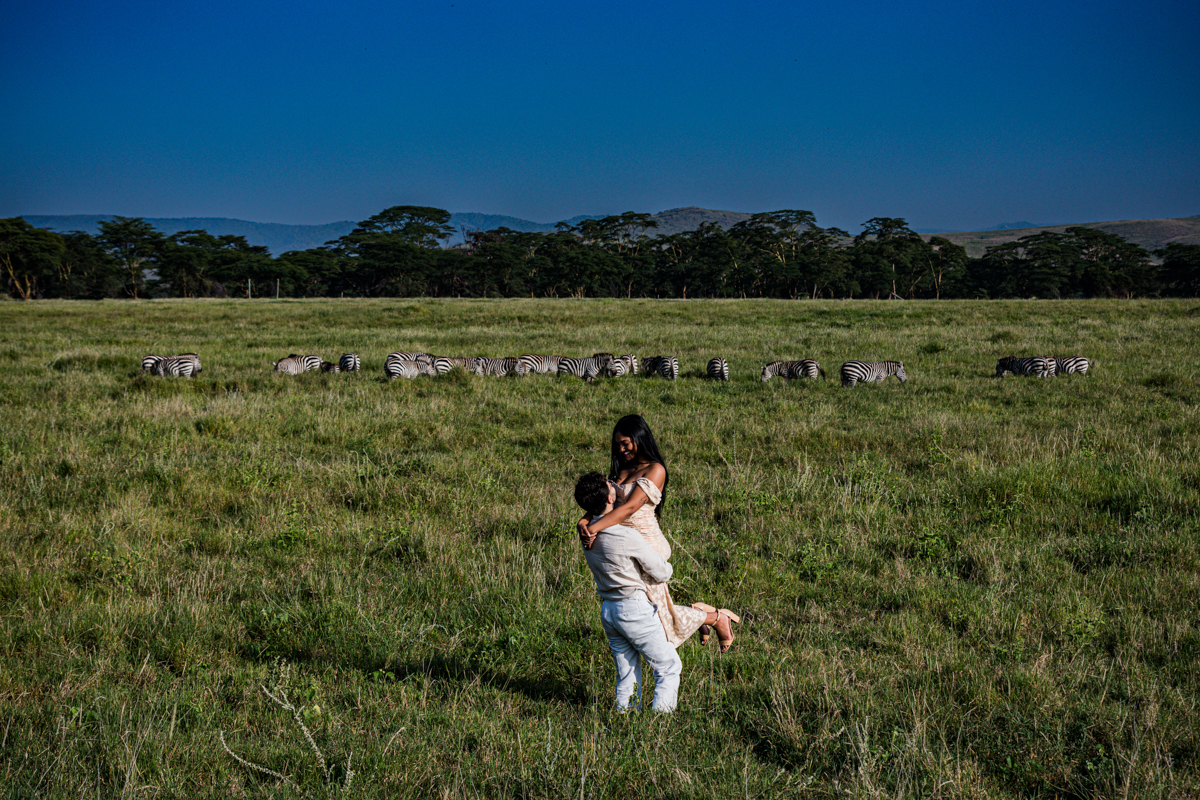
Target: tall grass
958, 586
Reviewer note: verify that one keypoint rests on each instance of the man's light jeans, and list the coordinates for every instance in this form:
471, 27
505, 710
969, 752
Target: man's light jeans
633, 628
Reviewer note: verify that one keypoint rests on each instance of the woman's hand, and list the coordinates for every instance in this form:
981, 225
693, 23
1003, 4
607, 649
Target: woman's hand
586, 537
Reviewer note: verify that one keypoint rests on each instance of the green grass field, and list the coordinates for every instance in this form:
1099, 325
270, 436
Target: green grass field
954, 587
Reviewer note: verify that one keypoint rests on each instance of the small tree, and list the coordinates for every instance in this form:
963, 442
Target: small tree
132, 242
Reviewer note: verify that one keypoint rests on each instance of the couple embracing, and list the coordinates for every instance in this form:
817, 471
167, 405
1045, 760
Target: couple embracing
627, 554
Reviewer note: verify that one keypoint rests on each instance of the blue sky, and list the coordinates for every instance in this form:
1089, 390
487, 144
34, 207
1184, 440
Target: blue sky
950, 115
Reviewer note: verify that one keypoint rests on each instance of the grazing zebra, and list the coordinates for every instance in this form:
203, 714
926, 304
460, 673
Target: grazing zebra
349, 362
621, 365
294, 364
420, 357
1041, 366
541, 365
329, 366
195, 361
150, 363
402, 368
614, 369
443, 364
867, 371
177, 366
666, 366
718, 369
805, 368
498, 367
1070, 365
586, 368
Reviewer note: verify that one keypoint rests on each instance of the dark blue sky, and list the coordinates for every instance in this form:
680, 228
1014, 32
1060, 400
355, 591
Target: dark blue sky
951, 115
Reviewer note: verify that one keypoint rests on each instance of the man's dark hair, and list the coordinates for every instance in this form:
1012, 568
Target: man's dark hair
591, 492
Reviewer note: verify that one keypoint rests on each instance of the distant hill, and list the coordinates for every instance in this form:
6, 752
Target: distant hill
279, 238
1013, 226
489, 222
1151, 234
282, 238
678, 220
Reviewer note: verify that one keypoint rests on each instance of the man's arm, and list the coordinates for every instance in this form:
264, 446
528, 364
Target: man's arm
651, 562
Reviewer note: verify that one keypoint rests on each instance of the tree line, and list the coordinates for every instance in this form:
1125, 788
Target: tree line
403, 252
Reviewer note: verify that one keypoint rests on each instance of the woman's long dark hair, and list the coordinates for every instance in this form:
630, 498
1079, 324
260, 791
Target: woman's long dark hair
639, 433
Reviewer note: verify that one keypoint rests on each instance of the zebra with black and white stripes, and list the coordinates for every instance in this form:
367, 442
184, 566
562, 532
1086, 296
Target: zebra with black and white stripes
349, 362
444, 364
294, 364
585, 368
538, 364
776, 369
184, 366
403, 368
717, 369
496, 367
1071, 365
425, 357
871, 372
614, 369
806, 368
621, 365
665, 366
196, 368
1039, 366
329, 366
150, 363
791, 370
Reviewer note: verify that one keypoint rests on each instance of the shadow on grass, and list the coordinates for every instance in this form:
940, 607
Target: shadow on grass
465, 671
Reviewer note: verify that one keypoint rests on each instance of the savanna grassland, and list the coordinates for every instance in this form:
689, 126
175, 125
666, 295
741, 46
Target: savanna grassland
955, 587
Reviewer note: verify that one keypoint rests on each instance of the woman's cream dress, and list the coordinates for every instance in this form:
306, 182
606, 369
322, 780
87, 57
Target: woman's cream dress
679, 622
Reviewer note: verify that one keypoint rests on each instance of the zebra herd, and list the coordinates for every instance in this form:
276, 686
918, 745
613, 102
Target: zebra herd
413, 364
186, 365
294, 364
1042, 366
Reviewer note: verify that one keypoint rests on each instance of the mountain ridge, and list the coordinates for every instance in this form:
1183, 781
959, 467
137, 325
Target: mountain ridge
1152, 234
280, 238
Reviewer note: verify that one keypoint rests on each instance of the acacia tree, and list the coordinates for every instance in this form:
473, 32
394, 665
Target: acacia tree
132, 242
86, 270
1107, 264
824, 261
319, 268
772, 242
947, 265
623, 236
390, 253
888, 258
1038, 265
1180, 270
422, 226
30, 257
